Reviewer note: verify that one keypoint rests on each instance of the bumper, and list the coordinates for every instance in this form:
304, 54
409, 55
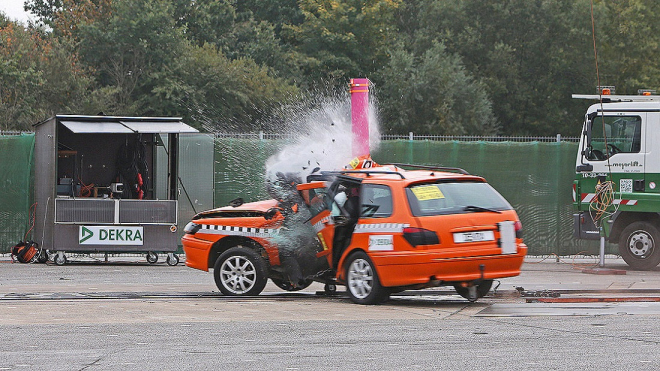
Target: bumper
197, 252
450, 269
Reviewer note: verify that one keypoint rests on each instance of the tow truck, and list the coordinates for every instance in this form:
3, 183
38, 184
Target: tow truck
616, 191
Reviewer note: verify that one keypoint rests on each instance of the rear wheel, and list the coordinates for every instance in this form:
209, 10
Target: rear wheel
240, 271
482, 290
362, 283
638, 245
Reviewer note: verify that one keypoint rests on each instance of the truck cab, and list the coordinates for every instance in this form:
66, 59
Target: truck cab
615, 191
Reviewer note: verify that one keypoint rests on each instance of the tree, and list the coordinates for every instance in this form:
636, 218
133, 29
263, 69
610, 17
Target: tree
220, 94
530, 55
433, 94
128, 48
342, 39
39, 77
630, 45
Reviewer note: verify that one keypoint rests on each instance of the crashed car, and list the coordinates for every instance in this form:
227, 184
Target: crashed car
376, 230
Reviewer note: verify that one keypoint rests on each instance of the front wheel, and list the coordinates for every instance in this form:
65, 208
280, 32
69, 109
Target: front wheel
240, 271
638, 245
362, 283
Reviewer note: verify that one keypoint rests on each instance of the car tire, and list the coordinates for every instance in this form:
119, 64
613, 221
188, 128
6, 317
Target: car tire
287, 286
639, 245
482, 289
240, 271
362, 283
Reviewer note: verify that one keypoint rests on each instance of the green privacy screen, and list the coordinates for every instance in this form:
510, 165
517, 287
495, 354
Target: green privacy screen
16, 183
535, 177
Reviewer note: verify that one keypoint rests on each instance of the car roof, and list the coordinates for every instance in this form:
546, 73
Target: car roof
395, 173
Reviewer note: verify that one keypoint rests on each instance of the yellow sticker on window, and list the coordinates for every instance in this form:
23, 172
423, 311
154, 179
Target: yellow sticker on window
354, 163
425, 193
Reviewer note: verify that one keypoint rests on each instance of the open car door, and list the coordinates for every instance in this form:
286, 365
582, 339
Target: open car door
335, 210
315, 196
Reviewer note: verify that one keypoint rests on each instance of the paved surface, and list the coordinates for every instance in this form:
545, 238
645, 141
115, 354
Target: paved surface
127, 314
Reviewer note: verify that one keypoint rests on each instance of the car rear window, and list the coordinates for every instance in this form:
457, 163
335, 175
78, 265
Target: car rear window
454, 198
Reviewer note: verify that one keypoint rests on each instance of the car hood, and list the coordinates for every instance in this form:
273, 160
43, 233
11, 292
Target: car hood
247, 209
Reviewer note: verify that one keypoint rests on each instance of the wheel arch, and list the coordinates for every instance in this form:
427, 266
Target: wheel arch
341, 266
626, 218
228, 242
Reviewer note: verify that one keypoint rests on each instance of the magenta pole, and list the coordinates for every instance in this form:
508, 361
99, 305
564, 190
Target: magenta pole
359, 89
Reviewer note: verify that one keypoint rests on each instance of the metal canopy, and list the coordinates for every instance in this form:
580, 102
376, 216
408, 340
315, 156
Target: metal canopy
81, 127
159, 127
127, 127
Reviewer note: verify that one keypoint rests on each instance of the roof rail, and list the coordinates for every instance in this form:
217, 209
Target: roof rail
325, 175
440, 168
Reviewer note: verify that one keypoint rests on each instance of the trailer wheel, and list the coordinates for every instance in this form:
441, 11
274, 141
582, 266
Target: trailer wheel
482, 290
59, 258
362, 283
42, 257
172, 259
639, 247
240, 271
152, 257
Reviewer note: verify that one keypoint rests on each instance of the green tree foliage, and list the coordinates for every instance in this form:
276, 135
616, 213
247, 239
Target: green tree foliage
342, 39
530, 54
38, 77
220, 94
439, 66
630, 46
433, 94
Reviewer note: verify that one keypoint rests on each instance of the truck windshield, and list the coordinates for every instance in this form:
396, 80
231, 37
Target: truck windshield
454, 198
614, 134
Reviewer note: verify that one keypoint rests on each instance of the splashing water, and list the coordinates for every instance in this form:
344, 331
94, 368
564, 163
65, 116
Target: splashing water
322, 136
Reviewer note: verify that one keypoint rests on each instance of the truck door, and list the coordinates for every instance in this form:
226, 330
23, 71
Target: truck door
614, 144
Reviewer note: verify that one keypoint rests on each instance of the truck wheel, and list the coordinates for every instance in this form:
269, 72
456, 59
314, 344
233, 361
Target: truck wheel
362, 283
240, 271
639, 247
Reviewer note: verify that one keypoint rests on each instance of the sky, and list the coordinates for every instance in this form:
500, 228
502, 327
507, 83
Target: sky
14, 10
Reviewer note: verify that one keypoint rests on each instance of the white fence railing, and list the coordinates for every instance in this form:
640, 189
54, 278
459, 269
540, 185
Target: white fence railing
411, 136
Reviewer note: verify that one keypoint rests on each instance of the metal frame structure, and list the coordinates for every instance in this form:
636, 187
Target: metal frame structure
78, 185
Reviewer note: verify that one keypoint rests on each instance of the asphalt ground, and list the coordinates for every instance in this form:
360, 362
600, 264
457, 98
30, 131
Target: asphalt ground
559, 281
126, 314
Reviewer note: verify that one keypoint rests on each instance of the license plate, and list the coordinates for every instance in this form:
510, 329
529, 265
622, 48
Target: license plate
478, 236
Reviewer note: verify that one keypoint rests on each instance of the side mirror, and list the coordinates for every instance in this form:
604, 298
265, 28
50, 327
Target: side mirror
584, 167
270, 213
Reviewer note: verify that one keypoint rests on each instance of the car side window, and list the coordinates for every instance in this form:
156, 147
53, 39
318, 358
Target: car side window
376, 201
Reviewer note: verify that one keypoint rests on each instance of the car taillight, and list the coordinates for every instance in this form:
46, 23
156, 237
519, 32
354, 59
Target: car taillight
518, 227
420, 236
192, 228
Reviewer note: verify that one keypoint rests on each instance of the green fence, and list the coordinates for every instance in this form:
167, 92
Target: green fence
16, 164
536, 178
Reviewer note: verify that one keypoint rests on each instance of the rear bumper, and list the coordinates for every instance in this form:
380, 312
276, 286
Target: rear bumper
197, 252
448, 270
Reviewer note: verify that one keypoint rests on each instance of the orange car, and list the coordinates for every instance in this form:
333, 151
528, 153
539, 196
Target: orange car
376, 231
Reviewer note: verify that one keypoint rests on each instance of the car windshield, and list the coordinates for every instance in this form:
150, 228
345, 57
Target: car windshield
454, 198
